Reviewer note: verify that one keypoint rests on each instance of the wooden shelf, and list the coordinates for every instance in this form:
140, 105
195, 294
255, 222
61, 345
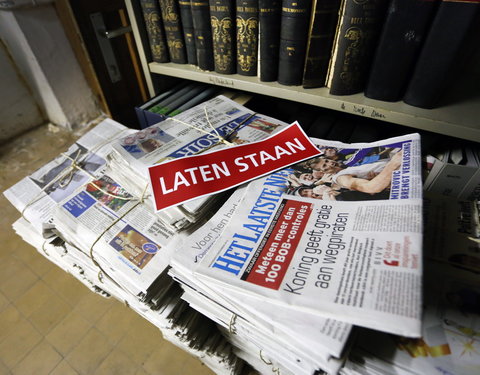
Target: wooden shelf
461, 119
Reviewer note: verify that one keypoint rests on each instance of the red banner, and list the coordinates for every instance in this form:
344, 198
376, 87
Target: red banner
270, 263
180, 180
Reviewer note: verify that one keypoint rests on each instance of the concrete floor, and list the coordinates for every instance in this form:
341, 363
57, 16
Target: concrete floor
49, 322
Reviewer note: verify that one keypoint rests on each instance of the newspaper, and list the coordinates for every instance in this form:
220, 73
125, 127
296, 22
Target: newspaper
118, 231
36, 195
325, 335
219, 122
313, 339
450, 342
300, 247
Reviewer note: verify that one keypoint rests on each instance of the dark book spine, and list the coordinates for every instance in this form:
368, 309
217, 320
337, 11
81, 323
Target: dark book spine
247, 37
269, 12
323, 24
155, 32
358, 30
203, 34
187, 25
173, 31
402, 36
446, 48
222, 18
293, 41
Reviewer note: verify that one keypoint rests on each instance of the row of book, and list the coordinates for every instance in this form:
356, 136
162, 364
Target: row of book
390, 49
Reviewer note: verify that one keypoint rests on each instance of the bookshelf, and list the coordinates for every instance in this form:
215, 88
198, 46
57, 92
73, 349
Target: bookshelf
458, 119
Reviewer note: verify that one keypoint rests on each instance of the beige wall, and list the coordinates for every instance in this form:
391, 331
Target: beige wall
42, 55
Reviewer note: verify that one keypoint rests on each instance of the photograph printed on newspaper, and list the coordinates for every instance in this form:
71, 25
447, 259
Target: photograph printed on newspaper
339, 235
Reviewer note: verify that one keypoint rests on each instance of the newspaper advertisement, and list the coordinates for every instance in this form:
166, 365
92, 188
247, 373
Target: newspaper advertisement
121, 233
324, 252
36, 195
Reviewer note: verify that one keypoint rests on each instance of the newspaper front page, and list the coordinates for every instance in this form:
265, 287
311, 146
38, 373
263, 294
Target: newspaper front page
346, 246
191, 132
36, 195
118, 230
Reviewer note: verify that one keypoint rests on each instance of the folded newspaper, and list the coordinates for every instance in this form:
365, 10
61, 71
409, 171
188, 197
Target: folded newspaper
36, 195
219, 122
450, 342
312, 341
339, 236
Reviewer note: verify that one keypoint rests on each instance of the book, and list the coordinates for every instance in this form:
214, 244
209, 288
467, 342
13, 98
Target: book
293, 41
222, 18
203, 34
269, 12
146, 117
357, 33
205, 94
323, 23
165, 106
406, 25
155, 32
173, 31
247, 37
445, 49
188, 33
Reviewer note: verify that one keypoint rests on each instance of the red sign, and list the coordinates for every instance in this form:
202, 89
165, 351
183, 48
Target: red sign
180, 180
270, 263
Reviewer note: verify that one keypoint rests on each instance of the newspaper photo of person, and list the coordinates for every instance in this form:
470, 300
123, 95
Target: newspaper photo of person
346, 174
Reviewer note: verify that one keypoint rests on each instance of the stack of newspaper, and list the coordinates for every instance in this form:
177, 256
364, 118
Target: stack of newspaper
288, 265
219, 122
87, 224
37, 195
450, 341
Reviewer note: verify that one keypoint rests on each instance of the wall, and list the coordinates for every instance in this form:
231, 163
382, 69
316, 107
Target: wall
37, 42
18, 110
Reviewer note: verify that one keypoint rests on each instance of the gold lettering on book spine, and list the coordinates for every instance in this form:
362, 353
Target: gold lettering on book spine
356, 37
221, 34
247, 36
168, 13
151, 20
171, 17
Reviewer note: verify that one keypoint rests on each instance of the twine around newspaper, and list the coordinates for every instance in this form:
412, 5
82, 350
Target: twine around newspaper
68, 172
275, 370
221, 139
231, 325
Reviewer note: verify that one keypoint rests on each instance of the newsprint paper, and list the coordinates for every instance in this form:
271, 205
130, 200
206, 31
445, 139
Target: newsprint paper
347, 246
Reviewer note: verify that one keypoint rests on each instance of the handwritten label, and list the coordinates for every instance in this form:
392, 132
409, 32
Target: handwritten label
360, 110
376, 114
221, 81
